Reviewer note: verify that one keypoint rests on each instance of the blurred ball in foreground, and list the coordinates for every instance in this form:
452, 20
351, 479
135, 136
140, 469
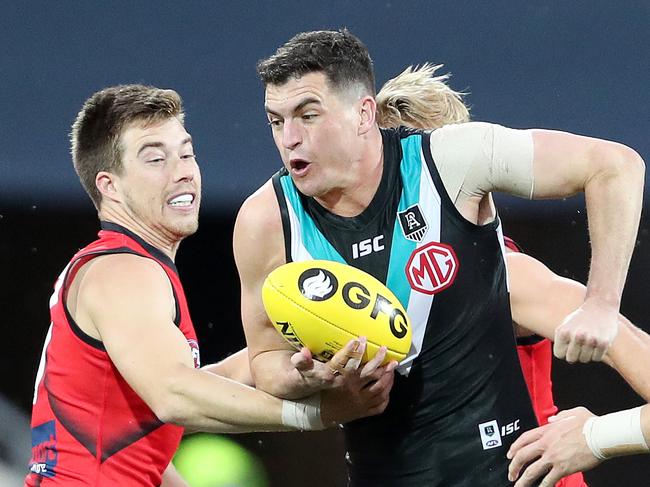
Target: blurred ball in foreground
206, 460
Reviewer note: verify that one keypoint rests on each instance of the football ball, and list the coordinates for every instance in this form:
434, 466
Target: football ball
322, 305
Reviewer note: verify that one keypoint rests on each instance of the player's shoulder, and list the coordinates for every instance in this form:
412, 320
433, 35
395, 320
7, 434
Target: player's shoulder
260, 212
122, 272
258, 237
466, 131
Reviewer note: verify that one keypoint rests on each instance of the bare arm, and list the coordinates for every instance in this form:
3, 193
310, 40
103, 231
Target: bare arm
235, 367
128, 300
270, 355
124, 299
539, 301
276, 367
478, 158
612, 178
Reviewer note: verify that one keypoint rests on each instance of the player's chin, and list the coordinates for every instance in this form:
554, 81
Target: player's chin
185, 227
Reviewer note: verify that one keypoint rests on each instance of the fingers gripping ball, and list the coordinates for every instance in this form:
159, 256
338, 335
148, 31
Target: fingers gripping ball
322, 305
206, 460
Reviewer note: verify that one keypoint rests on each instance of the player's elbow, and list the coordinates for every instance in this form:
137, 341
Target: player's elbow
620, 161
171, 403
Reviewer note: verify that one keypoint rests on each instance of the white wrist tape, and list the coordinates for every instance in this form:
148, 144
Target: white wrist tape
615, 434
304, 414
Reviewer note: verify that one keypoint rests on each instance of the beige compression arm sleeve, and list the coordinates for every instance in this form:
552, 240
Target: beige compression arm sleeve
476, 158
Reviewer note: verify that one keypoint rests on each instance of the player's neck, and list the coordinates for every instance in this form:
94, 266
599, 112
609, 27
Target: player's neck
166, 243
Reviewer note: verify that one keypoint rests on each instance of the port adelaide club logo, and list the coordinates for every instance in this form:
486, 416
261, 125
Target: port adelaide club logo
432, 267
317, 284
413, 224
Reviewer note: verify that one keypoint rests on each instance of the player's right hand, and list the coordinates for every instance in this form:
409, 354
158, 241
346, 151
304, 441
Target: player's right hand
363, 392
319, 375
586, 334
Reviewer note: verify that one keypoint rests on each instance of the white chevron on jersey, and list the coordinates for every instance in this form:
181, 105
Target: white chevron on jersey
298, 251
419, 304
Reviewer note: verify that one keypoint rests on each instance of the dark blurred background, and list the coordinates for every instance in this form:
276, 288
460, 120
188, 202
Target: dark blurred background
578, 66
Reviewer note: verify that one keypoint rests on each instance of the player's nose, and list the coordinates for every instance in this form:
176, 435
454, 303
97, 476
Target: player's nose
291, 135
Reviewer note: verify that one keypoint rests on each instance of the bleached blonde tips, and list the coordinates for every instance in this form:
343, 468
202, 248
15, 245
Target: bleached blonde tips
416, 98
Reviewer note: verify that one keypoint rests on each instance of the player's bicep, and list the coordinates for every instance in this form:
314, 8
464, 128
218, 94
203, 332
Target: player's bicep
565, 162
539, 298
130, 302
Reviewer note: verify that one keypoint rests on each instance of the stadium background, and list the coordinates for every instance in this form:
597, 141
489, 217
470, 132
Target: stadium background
580, 66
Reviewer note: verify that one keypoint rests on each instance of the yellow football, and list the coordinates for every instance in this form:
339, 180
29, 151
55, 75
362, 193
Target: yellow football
322, 305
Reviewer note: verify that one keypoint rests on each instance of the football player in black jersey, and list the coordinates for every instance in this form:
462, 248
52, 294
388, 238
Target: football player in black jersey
321, 107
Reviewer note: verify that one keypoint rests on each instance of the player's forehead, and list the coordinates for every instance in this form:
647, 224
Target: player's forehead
312, 87
168, 132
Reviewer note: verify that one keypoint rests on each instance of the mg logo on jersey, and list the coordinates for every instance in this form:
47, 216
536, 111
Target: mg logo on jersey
413, 224
432, 268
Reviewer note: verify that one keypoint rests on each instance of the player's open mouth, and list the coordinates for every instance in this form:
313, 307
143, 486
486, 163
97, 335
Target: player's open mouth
298, 166
184, 200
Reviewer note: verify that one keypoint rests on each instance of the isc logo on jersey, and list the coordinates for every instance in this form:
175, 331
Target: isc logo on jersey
322, 305
491, 433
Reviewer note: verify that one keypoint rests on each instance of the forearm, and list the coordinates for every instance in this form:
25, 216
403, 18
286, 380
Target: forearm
202, 401
614, 196
235, 367
630, 356
618, 434
274, 373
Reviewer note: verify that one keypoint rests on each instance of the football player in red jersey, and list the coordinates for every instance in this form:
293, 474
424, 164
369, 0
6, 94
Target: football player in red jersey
119, 380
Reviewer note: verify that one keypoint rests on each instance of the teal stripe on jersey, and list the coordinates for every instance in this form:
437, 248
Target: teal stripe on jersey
401, 250
312, 238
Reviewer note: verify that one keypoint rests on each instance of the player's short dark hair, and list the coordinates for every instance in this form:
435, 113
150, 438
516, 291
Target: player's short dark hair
95, 135
340, 55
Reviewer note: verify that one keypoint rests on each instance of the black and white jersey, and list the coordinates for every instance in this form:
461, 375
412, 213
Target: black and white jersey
459, 399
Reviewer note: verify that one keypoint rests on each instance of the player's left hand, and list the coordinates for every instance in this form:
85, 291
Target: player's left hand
364, 391
586, 334
325, 375
552, 451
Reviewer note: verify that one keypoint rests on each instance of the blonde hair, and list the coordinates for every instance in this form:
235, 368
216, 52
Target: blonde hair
418, 99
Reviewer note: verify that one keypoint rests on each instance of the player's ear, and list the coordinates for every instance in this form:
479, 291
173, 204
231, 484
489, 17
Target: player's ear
106, 184
367, 114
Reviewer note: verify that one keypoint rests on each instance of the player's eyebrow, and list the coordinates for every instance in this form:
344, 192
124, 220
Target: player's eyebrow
297, 108
186, 140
